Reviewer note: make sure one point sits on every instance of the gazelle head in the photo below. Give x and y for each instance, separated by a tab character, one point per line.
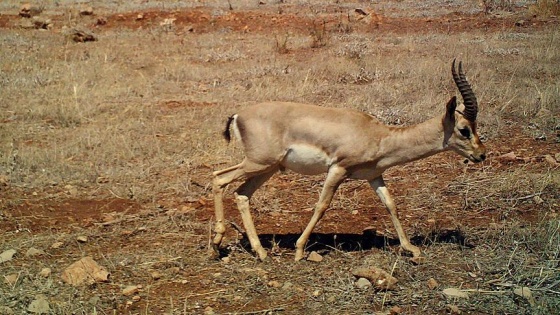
460	121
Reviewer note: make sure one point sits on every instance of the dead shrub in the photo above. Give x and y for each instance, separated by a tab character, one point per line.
282	44
320	35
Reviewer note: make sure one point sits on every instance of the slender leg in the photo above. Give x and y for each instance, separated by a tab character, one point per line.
221	180
255	175
379	186
335	176
242	196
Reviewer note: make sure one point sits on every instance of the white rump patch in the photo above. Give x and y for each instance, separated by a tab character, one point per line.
306	159
236	131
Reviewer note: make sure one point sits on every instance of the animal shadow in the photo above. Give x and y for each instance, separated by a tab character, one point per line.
369	239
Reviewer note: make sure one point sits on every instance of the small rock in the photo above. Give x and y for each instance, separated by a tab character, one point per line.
209	311
101	21
526	293
455	293
94	300
139	17
274	284
41	23
453	309
361	11
136	298
432	283
11	279
538	200
508	157
541	137
156	275
226	259
57	245
28	10
4	180
82	239
71	190
45	272
33	252
316	293
130	290
7	255
395	310
86	11
550	160
287	285
80	35
381	279
363	283
40	305
85	270
314	257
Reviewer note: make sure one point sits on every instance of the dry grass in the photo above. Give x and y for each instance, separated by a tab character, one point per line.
138	114
545	8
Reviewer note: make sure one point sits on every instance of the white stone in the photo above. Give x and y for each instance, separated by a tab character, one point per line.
7	255
363	283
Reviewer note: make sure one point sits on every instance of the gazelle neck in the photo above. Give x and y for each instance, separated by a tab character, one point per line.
408	144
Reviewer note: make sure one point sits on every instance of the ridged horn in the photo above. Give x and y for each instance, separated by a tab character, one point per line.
469	99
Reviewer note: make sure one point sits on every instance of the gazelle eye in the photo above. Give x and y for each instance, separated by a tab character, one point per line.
465	132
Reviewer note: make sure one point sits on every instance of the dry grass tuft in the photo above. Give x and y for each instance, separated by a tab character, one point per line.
319	35
545	8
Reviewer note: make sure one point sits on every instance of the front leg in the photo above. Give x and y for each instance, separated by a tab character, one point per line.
379	186
335	177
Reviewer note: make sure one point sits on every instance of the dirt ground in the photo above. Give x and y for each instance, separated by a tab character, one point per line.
476	237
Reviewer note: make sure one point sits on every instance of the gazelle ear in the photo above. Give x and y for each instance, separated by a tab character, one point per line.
450	109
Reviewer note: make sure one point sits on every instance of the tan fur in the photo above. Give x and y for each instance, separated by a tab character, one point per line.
350	144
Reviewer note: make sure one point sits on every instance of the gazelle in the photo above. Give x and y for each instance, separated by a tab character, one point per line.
343	143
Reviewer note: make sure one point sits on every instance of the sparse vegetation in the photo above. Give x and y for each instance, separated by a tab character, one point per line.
116	140
546	8
282	44
493	5
319	35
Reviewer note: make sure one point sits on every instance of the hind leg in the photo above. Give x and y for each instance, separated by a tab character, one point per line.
221	180
245	170
242	196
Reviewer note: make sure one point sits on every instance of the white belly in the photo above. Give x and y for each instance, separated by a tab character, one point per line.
306	159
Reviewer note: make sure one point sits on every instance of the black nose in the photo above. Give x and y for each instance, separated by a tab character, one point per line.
483	157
